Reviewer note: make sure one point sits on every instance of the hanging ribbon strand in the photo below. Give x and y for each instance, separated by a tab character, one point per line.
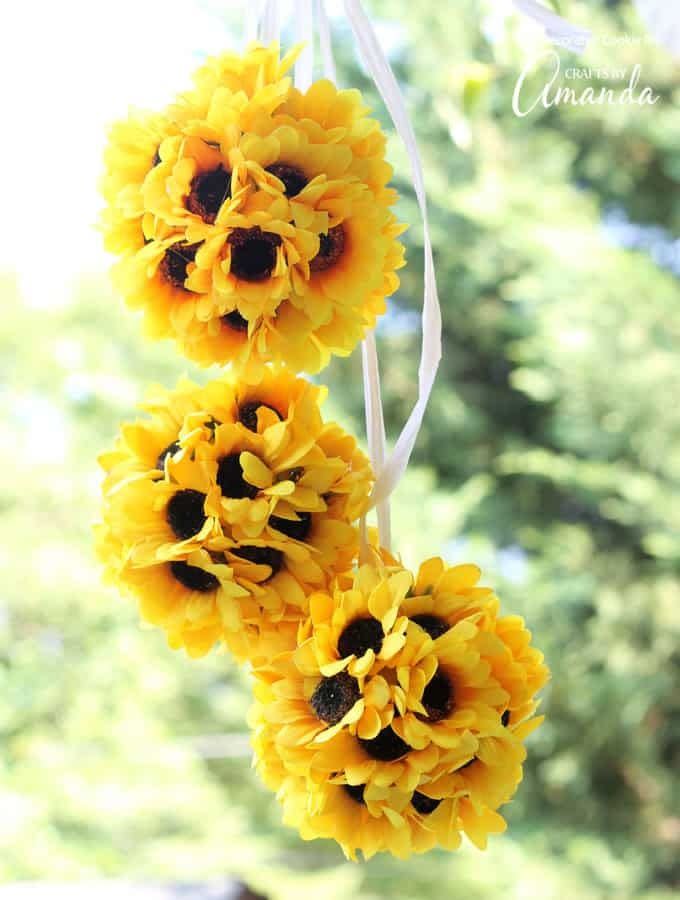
431	349
375	429
252	20
325	42
304	67
270	27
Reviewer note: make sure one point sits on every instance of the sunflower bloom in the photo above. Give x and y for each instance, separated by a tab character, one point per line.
132	153
344	114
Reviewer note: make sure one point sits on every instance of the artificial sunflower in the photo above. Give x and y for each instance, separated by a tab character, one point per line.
132	153
274	291
308	166
242	499
197	177
399	698
231	84
443	596
343	114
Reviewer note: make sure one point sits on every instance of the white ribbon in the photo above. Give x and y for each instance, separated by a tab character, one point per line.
304	67
325	41
270	26
374	59
375	429
557	29
252	18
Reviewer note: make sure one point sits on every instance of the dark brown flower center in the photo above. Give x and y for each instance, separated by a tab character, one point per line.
235	320
185	514
170	450
355	791
193	577
437	698
297	530
505	718
231	481
247	414
253	253
424	804
173	266
331	247
293	179
334	697
433	625
208	192
386	747
359	636
262	556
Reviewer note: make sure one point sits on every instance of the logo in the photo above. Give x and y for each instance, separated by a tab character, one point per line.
566	87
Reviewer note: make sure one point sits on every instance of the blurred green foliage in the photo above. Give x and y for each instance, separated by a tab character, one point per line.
550	454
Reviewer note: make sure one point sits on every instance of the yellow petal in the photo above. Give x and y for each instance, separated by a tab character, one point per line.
391	645
370	725
255	471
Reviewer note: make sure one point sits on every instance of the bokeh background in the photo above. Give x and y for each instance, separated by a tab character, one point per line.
550	455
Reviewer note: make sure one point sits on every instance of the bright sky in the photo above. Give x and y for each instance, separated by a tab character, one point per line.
67	70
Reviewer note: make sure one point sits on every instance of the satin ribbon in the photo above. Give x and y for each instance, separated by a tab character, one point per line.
270	25
389	475
325	41
304	67
375	429
252	20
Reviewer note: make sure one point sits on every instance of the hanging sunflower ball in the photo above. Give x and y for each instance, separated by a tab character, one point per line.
398	722
227	507
254	221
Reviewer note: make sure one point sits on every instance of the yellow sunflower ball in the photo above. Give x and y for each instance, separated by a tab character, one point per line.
227	506
253	222
398	722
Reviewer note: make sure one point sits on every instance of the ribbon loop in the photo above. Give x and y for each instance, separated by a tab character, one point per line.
431	349
325	42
